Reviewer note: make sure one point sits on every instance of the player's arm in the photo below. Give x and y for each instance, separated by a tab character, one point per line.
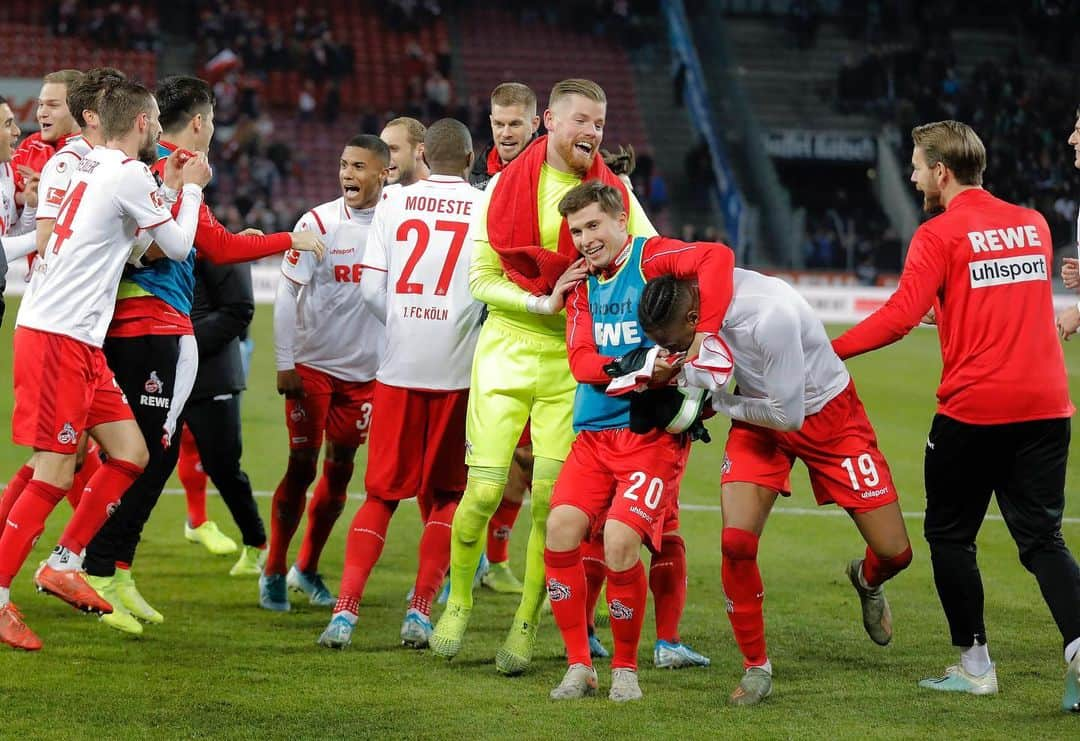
586	363
20	246
218	244
229	292
920	282
174	237
285	312
375	265
784	407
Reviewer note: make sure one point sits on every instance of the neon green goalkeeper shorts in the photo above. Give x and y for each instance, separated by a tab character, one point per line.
517	377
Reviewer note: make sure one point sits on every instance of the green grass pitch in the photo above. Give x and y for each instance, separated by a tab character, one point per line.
219	667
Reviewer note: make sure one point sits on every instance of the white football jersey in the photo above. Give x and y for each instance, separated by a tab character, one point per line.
422	242
109	197
335	332
769	324
56	175
9	214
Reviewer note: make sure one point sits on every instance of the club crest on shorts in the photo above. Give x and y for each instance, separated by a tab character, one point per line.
297	414
153	384
557	591
67	435
111	508
725	467
619	611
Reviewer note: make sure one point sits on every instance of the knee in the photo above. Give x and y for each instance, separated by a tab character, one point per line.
1031	550
738	545
565	528
302	465
622	546
340	453
138	454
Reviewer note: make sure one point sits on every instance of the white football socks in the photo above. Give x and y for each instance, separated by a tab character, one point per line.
976	660
5	596
1071	649
62	559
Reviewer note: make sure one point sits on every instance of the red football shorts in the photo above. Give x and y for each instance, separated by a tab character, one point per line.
342	409
417	443
62	387
620	475
838	446
526	436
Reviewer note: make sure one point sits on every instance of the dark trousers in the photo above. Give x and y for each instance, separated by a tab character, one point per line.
215	424
1023	464
145	368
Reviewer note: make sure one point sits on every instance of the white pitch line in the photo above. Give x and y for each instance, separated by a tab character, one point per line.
797	511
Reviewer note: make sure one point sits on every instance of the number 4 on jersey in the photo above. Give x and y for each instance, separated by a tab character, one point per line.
66	214
459	231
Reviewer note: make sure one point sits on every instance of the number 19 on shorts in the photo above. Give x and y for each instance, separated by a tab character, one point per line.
866	471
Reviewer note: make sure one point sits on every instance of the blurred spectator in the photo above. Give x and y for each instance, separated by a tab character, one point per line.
306	102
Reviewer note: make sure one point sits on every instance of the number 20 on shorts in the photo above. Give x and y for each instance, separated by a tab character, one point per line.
653	491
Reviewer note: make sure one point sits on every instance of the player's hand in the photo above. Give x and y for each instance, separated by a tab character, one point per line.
196	170
1068	322
289	384
30	188
1070	272
664	369
174	164
252	232
305	241
930	317
577	272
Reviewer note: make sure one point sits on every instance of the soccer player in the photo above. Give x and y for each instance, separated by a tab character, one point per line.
55	121
9	217
794	399
617	480
1068	322
514	124
415	277
522	251
327	346
1002	422
151	343
60	330
405	138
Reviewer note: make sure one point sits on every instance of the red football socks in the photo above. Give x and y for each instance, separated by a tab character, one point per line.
745	593
878	570
326	507
367	536
27	518
499	529
90	466
667	581
626	595
192	478
12	491
567	589
99	499
592	555
286	509
434	553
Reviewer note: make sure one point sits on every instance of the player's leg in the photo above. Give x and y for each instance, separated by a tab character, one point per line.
961	466
305	419
442	482
592	556
1032	502
498	576
347	423
215	428
13	489
87	463
501	392
667	582
192	477
552	432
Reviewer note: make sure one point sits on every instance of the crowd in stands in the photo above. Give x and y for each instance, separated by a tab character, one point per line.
118	25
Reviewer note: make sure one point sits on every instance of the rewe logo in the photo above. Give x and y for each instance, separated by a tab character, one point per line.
617	333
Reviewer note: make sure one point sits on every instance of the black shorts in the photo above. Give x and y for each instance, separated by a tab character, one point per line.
1022	463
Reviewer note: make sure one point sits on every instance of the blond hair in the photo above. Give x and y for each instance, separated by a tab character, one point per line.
514	93
67	77
576	86
955	145
413	128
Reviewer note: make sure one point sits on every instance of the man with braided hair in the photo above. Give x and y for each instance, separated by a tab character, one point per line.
794	399
521	270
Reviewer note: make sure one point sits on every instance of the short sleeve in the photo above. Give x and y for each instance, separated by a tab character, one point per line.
297	266
138	196
53	185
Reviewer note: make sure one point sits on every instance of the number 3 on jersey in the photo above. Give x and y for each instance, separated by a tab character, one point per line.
458	230
66	214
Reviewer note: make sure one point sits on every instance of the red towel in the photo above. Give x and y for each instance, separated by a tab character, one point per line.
513	223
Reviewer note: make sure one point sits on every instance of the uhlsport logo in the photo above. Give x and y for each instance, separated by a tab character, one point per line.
1006	270
67	435
153	384
557	591
619	611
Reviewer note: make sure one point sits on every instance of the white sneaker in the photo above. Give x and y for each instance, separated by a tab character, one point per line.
579	681
624	686
956	679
